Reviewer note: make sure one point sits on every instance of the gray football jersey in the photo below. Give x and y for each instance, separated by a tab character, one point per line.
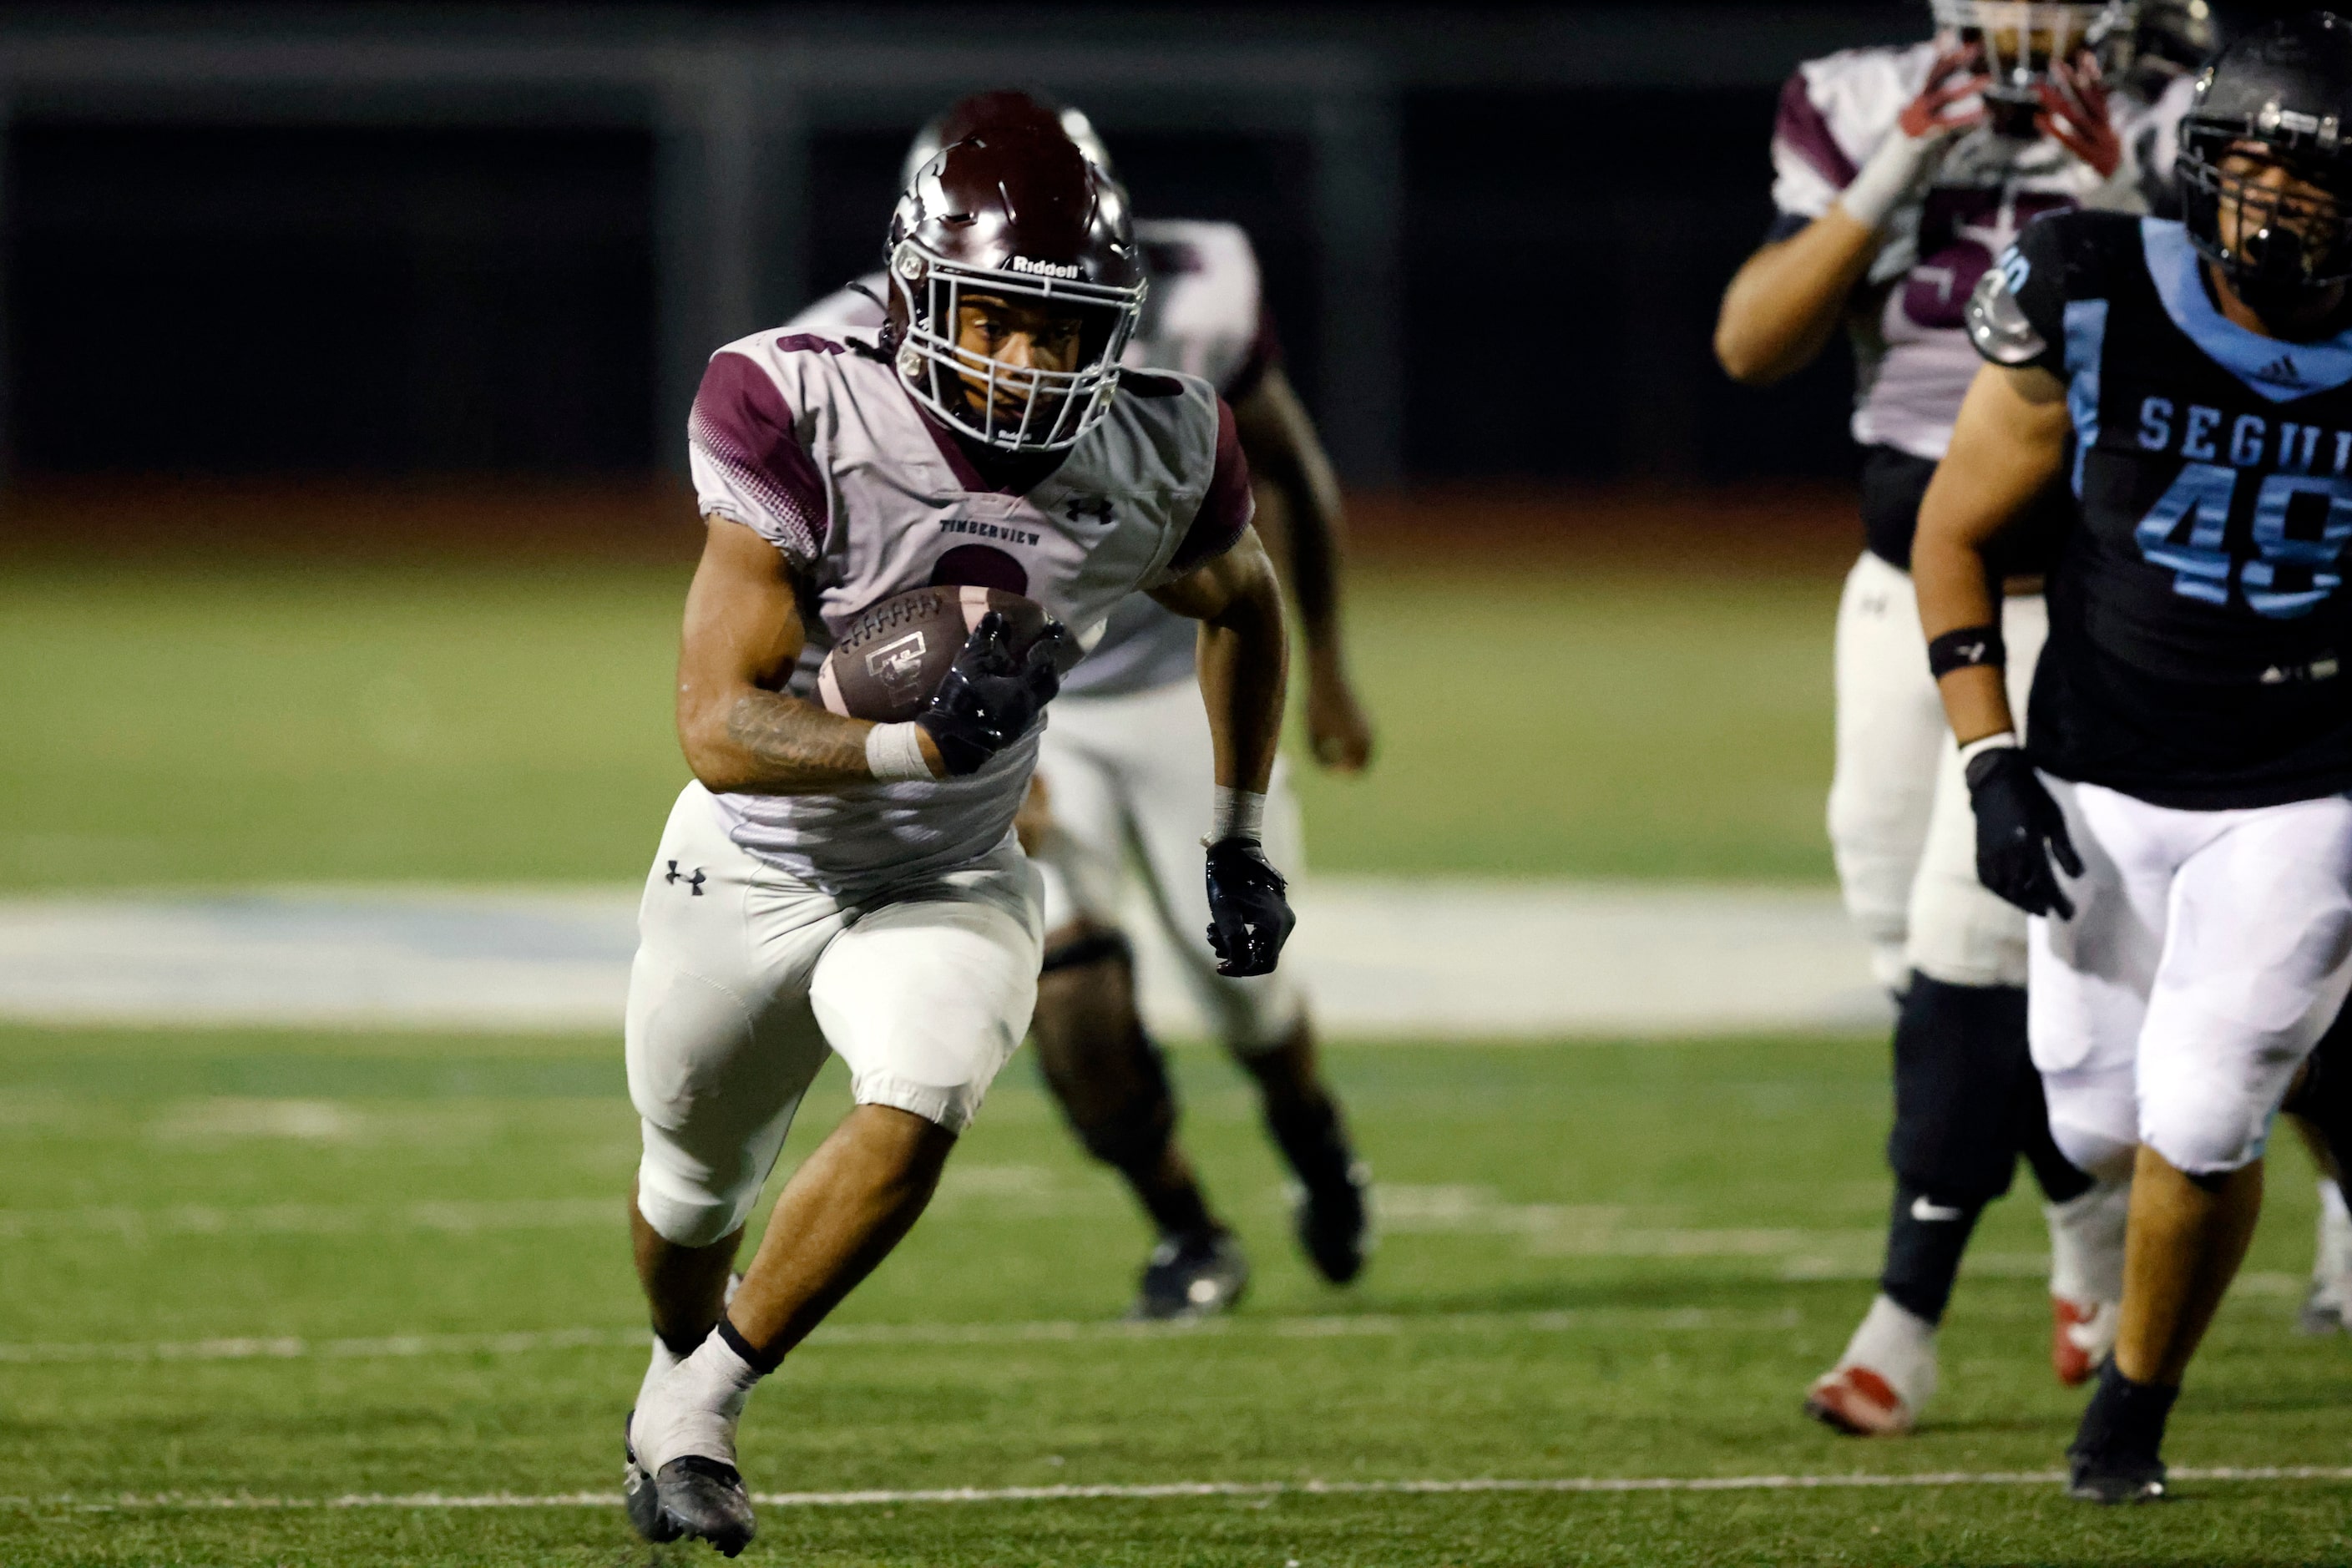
818	448
1205	316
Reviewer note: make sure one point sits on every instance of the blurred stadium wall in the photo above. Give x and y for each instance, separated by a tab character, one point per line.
449	241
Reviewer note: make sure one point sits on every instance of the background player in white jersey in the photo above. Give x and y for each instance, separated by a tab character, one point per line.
833	884
2188	761
1899	174
1125	755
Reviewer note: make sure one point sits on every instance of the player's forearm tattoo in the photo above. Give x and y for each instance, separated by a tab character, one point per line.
797	745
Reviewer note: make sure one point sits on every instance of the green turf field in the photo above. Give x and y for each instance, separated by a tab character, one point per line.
1600	1261
347	724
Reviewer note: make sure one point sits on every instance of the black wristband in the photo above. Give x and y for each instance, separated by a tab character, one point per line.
1964	649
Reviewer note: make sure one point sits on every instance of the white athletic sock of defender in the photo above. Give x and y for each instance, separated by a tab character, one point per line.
2086	1243
1899	1346
2333	1260
694	1408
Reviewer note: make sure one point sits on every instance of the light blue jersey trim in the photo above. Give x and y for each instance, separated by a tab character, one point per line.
2270	368
2086	337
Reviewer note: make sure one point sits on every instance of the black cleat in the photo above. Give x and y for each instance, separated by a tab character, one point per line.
1335	1221
2113	1458
1197	1275
640	1496
705	1497
2116	1480
1332	1215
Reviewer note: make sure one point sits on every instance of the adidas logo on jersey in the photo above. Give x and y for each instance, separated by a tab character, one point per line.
1044	268
2281	372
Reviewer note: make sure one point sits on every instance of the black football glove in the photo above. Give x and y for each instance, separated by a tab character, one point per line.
991	699
2020	830
1249	918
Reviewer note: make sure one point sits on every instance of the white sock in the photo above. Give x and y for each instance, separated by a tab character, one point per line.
2086	1243
664	1359
693	1407
1899	1346
2333	1260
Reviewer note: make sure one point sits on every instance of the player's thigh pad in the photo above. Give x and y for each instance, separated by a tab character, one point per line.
2256	965
1890	727
2088	978
1960	932
720	1041
1081	862
1167	768
925	996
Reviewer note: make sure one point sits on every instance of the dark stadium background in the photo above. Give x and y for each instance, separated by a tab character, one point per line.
296	299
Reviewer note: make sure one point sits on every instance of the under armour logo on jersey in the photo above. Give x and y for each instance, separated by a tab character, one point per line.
2281	372
693	883
1099	508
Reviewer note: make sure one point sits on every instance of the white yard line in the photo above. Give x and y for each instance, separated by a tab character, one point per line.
1389	958
1180	1490
1374	1325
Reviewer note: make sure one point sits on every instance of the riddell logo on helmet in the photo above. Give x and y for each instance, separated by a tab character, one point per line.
1044	268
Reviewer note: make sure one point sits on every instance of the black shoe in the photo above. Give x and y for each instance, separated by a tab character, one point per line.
1332	1216
1335	1221
2116	1480
2113	1458
1195	1275
705	1497
641	1498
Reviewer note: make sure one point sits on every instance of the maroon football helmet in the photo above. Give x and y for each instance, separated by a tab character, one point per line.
1013	210
977	111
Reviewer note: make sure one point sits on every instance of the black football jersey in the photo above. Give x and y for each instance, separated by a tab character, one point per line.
2197	611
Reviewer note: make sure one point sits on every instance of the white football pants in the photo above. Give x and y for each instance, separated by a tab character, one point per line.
1134	774
1900	824
2209	951
745	976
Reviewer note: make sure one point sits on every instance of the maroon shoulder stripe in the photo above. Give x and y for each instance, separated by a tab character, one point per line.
1800	127
742	424
1225	513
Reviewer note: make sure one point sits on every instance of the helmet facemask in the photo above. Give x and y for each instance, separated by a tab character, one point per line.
2023	38
1009	407
2273	244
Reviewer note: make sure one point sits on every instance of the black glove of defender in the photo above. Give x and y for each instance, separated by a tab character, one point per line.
991	699
1249	918
2020	830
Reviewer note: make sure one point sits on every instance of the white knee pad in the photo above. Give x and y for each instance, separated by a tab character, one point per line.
2215	1118
684	1199
2095	1120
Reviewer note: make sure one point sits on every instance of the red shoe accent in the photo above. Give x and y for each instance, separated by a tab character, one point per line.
2072	1362
1859	1402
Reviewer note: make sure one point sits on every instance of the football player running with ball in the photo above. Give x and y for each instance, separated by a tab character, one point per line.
1900	173
1128	754
829	883
2177	819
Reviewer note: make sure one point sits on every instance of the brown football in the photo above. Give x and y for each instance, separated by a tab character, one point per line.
893	654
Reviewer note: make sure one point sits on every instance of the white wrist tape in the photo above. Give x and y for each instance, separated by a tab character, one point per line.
1238	814
895	752
2005	740
1893	172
